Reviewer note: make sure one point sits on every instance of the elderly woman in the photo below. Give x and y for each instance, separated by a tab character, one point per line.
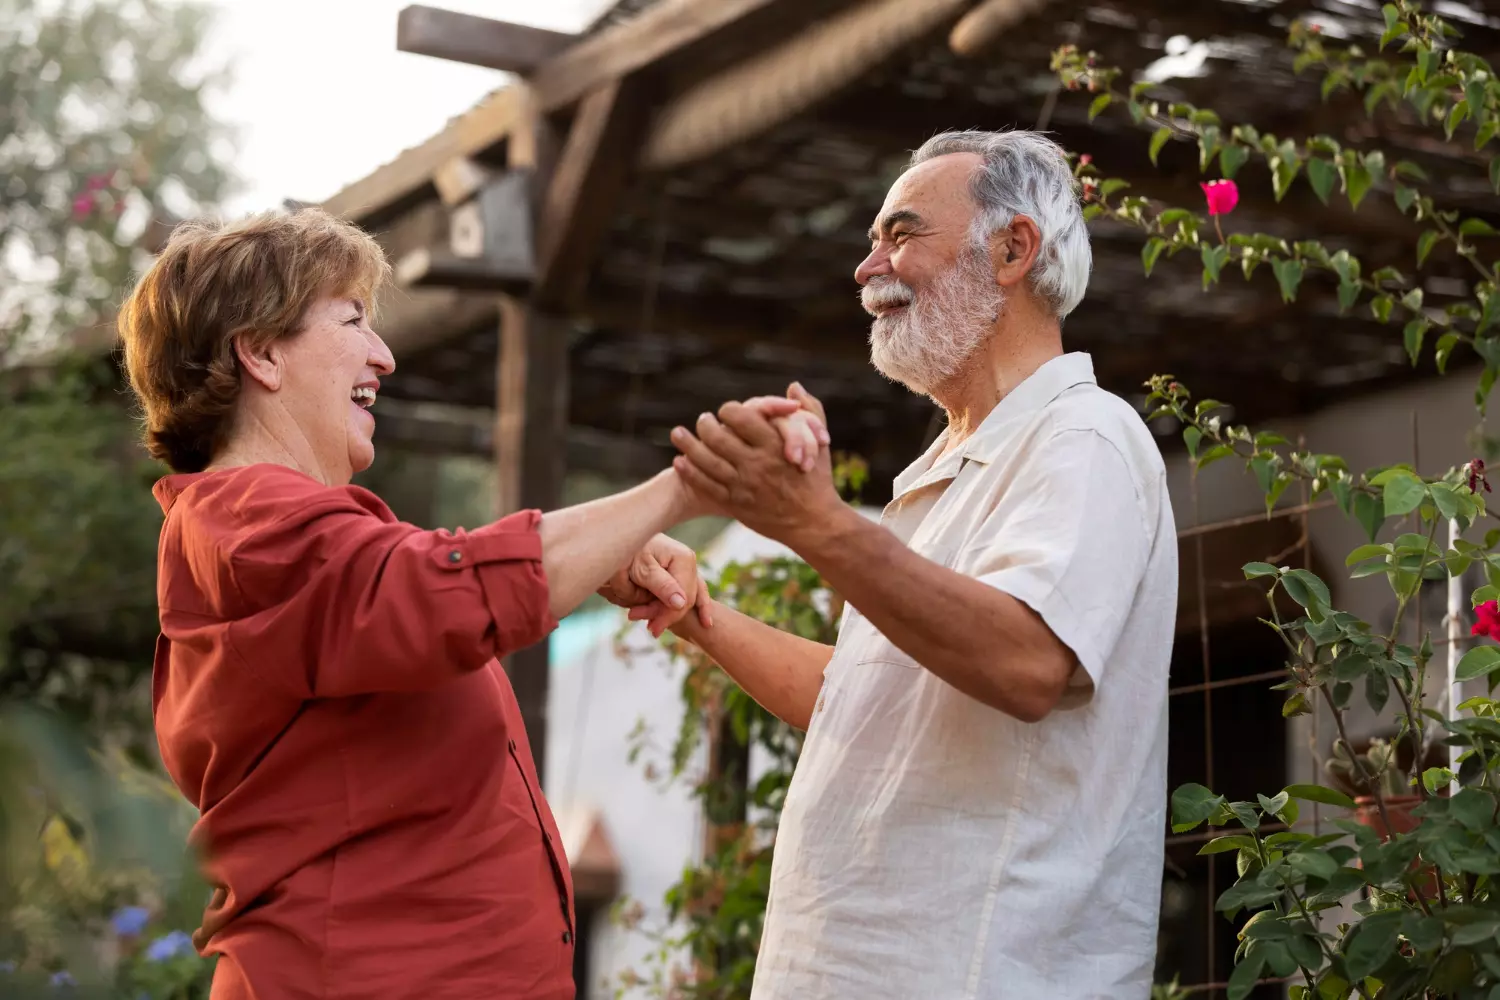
326	685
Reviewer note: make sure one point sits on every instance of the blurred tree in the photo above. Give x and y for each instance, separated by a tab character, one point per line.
104	138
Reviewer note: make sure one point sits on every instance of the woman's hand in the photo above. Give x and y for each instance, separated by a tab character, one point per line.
660	586
804	431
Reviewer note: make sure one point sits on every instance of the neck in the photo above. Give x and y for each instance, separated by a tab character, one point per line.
260	439
1021	341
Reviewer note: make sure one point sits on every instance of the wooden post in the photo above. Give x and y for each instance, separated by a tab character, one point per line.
531	425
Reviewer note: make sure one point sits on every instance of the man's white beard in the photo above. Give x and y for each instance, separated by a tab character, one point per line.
933	340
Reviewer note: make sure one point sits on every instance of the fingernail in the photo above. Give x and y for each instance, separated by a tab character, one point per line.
823	437
797	455
677	601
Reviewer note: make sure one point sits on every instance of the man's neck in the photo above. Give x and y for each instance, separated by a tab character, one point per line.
1014	350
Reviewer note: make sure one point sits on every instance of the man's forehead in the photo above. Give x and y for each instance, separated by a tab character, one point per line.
934	188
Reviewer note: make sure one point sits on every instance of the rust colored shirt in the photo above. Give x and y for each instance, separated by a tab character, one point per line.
326	692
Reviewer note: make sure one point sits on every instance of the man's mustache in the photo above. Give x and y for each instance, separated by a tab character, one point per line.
885	293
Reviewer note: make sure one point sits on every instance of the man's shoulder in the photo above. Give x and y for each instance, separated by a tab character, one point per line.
1088	408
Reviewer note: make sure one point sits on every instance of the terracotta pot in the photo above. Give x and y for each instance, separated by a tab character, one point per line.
1398	808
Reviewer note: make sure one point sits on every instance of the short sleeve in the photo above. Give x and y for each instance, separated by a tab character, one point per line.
1070	539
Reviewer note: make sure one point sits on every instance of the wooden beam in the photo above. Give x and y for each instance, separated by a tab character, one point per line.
587	182
425	269
478	41
459	179
658	31
665	29
531	423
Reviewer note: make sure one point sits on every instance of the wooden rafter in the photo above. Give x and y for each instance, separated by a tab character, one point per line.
477	41
587	181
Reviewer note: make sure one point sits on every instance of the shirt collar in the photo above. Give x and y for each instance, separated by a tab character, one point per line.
1037	390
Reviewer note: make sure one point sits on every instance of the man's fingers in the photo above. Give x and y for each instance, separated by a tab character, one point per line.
799	439
750	425
652	576
724	442
712	464
772	406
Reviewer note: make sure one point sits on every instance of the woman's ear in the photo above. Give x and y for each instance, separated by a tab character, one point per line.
1015	250
262	363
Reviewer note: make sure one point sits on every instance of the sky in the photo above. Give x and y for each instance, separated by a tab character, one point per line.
320	96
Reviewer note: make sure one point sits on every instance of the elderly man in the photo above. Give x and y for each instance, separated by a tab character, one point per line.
979	807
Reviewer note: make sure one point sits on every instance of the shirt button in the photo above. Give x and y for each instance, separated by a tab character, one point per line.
567	937
455	556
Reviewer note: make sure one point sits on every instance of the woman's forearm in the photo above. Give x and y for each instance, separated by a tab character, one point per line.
583	546
781	671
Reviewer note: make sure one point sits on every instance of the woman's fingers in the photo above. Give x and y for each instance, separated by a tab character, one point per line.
705	603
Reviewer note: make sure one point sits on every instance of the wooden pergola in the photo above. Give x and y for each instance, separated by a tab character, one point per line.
665	211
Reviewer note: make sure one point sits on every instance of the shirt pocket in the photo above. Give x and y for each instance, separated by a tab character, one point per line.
877	649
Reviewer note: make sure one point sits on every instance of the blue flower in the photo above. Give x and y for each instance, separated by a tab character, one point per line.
130	921
169	946
63	978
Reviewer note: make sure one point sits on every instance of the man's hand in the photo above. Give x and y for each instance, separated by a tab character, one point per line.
736	462
662	580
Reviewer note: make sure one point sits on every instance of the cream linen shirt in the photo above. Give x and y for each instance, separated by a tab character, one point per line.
933	848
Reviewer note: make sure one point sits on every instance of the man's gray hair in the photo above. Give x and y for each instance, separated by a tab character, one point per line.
1025	173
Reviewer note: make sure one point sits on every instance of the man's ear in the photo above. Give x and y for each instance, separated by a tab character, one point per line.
264	363
1014	251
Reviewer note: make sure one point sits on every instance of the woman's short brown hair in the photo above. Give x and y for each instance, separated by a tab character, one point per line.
214	282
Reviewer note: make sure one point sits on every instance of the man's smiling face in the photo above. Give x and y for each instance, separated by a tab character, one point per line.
928	287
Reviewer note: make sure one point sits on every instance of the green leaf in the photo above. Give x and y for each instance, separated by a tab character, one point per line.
1392	15
1272	806
1245	975
1285	167
1304	587
1477	227
1478	662
1435	779
1191	436
1313	863
1408	169
1213	454
1288	276
1403	494
1152	250
1192	805
1111	185
1231	158
1321	174
1254	570
1099	104
1495	173
1425	243
1405	197
1444	348
1412	336
1372	941
1486	132
1222	845
1456	114
1320	794
1357	181
1158	140
1348	294
1213	261
1368	512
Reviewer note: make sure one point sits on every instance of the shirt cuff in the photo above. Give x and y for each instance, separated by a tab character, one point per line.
507	557
1049	604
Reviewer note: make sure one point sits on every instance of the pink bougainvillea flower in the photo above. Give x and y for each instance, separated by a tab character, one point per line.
1222	196
98	182
83	205
1488	623
1085	160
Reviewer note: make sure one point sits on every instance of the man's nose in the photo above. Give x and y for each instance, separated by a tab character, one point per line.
877	263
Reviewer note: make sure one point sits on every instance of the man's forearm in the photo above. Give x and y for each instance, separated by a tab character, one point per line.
781	671
583	546
959	628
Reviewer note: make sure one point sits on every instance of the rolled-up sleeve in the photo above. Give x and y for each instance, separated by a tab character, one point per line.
1071	541
369	604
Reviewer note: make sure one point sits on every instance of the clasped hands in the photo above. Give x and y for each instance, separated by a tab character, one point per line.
764	462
